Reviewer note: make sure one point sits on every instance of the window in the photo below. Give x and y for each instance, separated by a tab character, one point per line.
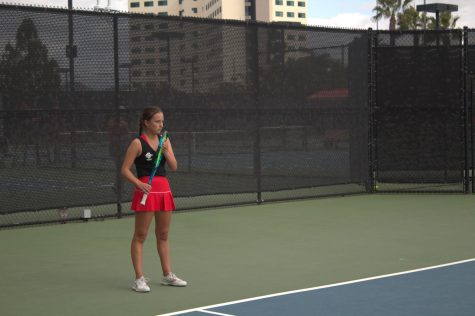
180	1
135	4
148	4
194	10
162	13
279	2
279	13
301	4
290	3
290	14
302	15
162	2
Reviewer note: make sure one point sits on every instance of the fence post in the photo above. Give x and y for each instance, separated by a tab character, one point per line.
370	185
117	108
71	53
466	110
254	68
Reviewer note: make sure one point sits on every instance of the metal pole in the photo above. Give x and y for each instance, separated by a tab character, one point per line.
472	140
255	87
437	21
71	53
71	45
371	184
118	114
192	81
465	110
425	17
169	66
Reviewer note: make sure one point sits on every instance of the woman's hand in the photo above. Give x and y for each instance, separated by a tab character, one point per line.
144	187
166	146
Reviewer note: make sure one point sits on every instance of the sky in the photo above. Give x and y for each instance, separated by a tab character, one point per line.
337	13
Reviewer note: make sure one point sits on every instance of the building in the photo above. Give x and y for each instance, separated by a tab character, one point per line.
261	10
196	57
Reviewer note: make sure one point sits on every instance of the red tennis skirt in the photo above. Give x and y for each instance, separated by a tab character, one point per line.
159	199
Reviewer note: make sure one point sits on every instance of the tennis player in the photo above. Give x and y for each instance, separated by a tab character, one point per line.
143	152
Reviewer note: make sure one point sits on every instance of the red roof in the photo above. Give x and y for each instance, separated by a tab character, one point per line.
329	94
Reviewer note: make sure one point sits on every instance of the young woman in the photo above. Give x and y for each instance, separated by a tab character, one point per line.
143	152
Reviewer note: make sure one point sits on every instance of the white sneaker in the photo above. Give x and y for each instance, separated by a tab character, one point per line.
173	280
140	285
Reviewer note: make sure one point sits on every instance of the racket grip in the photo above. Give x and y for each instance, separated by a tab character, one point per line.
144	199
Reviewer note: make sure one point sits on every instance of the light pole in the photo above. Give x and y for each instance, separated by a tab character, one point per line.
71	53
127	66
437	8
191	61
71	50
168	36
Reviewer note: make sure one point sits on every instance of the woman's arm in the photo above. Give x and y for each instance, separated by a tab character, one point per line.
134	150
170	155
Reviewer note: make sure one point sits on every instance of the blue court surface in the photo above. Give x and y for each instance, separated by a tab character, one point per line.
445	290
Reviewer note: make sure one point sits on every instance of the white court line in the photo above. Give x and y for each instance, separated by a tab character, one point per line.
212	313
203	308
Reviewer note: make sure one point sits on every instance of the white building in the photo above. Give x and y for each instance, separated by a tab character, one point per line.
265	10
202	55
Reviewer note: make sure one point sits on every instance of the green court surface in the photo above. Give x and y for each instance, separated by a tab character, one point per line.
231	253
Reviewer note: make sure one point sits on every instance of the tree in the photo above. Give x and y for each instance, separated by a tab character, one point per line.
27	76
389	9
409	19
446	21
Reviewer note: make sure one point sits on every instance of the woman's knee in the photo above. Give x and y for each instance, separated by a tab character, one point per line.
162	234
140	236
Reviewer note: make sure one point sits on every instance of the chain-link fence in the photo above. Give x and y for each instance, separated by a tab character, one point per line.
256	112
420	112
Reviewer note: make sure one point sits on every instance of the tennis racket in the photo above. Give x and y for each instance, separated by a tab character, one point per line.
157	164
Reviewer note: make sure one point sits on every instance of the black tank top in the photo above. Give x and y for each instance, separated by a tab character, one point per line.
146	161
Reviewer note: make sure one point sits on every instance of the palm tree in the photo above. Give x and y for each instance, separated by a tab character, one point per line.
446	20
410	19
389	9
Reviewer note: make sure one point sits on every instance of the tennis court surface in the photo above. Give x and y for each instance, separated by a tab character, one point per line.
357	255
441	290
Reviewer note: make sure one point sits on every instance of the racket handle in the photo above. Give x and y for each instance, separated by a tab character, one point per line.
144	199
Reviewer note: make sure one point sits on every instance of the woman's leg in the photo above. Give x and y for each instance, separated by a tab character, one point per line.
162	225
142	223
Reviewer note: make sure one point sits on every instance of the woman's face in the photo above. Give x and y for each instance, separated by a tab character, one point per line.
155	124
